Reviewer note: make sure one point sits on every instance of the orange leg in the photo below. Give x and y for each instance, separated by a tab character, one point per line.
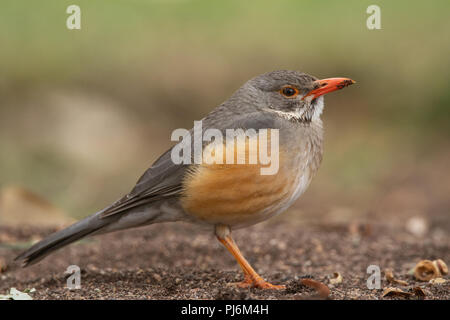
252	279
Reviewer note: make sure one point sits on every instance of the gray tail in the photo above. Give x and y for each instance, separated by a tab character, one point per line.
60	239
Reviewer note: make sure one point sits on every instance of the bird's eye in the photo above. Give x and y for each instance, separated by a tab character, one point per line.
289	92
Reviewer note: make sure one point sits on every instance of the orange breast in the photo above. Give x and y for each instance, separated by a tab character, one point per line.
236	193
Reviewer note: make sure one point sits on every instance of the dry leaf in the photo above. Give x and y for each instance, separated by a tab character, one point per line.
321	288
395	292
15	294
426	270
337	278
442	267
391	279
418	291
437	281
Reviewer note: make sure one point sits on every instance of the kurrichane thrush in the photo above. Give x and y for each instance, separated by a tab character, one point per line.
218	194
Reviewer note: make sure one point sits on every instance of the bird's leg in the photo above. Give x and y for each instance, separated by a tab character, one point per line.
252	279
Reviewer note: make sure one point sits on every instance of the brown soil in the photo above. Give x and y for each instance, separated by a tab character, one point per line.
176	261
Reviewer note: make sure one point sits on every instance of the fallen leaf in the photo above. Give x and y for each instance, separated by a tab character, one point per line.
395	292
418	291
337	278
437	281
442	267
321	288
389	274
29	290
15	294
426	270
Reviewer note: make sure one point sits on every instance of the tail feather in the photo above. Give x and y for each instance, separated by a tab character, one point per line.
60	239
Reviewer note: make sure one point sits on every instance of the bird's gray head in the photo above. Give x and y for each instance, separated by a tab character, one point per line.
294	95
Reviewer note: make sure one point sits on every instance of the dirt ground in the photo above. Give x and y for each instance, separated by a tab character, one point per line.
177	261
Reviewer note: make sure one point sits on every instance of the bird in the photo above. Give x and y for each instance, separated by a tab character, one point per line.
219	196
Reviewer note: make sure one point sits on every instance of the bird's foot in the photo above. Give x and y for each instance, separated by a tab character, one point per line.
266	285
260	283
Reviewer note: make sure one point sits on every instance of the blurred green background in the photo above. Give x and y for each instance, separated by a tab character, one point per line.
84	112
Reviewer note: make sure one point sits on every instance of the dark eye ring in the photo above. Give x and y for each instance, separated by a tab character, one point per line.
289	91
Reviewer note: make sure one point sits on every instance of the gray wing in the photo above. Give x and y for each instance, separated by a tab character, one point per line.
164	179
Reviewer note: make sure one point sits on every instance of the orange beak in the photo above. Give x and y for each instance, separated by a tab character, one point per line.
329	85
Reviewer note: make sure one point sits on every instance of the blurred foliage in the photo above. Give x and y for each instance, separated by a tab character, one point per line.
84	112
